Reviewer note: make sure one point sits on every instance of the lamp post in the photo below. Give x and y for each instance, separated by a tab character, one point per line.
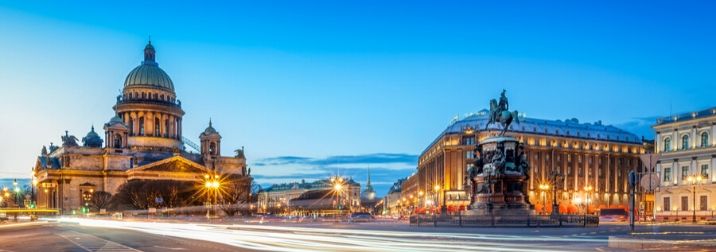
338	189
16	190
420	197
544	187
556	175
588	198
436	189
33	198
694	180
212	185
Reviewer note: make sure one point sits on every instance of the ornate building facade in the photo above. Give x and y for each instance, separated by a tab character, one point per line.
687	157
142	141
576	162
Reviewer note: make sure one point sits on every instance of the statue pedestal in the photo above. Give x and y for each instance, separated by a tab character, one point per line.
501	180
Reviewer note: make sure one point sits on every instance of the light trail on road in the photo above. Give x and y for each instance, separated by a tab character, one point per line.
294	239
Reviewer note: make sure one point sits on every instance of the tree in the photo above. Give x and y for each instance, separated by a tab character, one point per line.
235	191
143	194
101	200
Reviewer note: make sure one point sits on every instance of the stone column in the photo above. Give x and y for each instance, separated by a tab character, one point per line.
135	123
149	124
171	126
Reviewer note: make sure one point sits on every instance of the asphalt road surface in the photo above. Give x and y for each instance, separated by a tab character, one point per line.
79	234
73	237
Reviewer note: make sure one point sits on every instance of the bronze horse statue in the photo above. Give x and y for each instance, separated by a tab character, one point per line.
501	115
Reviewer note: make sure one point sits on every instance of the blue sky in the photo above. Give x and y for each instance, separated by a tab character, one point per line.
346	86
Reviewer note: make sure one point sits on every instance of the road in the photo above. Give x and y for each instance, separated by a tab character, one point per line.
73	237
70	234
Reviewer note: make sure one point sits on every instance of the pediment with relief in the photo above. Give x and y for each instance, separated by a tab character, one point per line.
173	164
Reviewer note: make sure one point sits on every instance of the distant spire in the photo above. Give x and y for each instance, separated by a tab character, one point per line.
368	183
209	121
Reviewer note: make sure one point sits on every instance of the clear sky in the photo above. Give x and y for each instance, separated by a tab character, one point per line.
312	88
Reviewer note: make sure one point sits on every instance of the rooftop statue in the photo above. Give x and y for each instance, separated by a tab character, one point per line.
500	113
68	140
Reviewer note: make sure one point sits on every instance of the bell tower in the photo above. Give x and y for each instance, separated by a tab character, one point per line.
210	145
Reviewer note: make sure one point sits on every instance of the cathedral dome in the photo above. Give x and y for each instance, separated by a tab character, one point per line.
148	74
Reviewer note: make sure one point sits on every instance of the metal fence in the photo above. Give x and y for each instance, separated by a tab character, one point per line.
459	220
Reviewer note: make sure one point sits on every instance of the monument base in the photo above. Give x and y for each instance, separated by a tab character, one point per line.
500	210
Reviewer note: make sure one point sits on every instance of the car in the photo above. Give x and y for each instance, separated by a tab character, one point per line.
3	217
613	215
361	217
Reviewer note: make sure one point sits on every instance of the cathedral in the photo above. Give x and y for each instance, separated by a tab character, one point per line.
142	141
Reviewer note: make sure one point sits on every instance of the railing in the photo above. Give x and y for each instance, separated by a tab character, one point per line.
149	101
460	220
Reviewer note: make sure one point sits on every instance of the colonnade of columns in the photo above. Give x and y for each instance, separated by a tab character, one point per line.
156	124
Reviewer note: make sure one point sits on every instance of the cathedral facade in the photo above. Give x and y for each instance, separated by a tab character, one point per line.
142	141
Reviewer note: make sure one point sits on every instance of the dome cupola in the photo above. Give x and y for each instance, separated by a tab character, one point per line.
148	74
92	139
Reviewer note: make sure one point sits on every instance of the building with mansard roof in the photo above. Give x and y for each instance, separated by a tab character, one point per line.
143	140
591	160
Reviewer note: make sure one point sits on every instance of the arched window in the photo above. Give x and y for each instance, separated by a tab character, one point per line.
141	126
117	141
685	142
157	127
704	139
212	148
667	144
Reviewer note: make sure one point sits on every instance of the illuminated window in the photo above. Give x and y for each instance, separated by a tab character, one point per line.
684	173
667	174
667	144
705	170
685	142
704	139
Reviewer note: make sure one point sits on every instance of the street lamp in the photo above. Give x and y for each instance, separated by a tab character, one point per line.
544	187
588	191
17	192
694	180
338	189
436	188
33	199
212	185
577	201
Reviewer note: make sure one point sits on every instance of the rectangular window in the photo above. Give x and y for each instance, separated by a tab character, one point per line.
667	174
705	170
684	173
684	203
468	141
667	204
703	203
